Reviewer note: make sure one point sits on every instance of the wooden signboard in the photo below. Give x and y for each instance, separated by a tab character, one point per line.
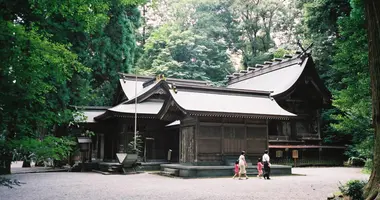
295	154
278	154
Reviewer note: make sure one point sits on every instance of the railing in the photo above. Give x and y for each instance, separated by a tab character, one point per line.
308	136
308	162
278	137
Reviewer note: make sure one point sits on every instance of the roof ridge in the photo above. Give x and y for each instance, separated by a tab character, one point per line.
275	64
92	107
147	78
267	69
224	89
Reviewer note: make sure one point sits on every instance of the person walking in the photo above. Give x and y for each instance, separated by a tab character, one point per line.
242	165
259	168
266	161
236	170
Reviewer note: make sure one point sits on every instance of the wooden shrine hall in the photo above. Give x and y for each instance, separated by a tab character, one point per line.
273	106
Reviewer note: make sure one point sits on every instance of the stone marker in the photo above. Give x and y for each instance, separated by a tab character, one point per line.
330	196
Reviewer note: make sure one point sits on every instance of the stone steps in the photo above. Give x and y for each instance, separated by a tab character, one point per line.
252	171
172	172
168	174
110	167
193	171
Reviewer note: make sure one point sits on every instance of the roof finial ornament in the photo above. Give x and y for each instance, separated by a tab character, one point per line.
174	88
304	51
160	77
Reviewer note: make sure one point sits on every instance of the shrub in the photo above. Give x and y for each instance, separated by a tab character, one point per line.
357	162
47	149
353	189
139	145
368	164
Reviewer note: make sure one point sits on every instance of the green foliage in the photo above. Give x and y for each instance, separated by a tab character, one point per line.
139	145
46	65
337	29
184	54
49	148
353	189
88	133
39	69
355	161
198	39
321	28
352	93
89	13
368	166
259	58
112	50
279	53
321	15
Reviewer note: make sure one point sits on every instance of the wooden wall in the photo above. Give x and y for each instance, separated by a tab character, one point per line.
212	142
187	147
257	141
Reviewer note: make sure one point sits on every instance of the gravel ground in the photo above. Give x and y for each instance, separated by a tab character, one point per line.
316	183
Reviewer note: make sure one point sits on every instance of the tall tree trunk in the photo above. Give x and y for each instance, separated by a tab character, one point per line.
144	26
26	163
5	164
372	8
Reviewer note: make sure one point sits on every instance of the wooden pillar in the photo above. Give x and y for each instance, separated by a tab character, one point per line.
293	130
187	140
267	143
222	139
245	135
112	147
154	148
196	132
319	123
180	149
96	145
101	149
90	153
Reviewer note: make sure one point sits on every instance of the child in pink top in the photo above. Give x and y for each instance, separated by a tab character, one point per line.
236	170
260	168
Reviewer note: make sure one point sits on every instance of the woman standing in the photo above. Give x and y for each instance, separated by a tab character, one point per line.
242	165
266	160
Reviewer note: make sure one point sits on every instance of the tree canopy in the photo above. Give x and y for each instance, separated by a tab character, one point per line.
44	62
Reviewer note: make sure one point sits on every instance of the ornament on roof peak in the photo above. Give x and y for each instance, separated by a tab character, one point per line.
160	77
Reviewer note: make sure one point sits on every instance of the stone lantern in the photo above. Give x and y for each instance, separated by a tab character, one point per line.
84	147
84	143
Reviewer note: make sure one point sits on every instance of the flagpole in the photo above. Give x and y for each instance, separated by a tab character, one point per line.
135	108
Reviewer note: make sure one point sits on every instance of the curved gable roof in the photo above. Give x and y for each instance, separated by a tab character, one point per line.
280	77
200	101
277	78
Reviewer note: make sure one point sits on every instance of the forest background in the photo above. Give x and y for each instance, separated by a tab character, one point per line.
55	54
